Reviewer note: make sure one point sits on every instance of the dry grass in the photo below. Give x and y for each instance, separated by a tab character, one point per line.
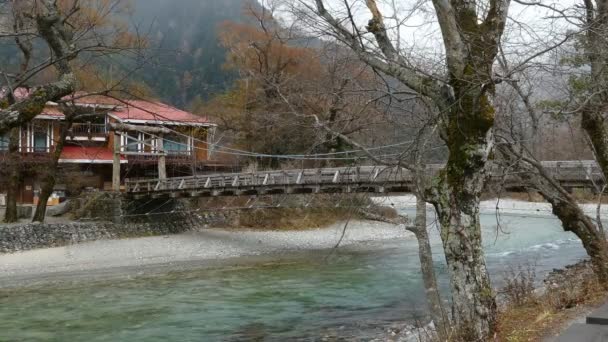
542	315
291	218
297	212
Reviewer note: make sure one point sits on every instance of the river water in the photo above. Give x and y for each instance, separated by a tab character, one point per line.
351	293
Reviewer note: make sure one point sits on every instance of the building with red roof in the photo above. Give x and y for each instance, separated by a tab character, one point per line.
89	150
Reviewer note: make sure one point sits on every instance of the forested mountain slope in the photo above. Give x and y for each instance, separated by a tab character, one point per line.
187	58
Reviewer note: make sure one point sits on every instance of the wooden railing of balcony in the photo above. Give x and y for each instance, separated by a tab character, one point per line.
89	130
172	157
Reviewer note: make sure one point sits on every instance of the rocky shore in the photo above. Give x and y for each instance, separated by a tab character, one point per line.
194	245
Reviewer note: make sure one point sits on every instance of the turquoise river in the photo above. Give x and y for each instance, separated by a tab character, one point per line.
350	293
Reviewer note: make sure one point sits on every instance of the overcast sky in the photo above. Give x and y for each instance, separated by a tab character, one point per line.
530	28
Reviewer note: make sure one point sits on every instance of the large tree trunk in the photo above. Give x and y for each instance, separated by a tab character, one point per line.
433	295
473	302
470	140
474	306
14	166
50	178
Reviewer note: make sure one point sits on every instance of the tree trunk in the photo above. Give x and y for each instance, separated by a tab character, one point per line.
593	121
574	219
473	302
48	184
433	295
470	140
14	165
593	124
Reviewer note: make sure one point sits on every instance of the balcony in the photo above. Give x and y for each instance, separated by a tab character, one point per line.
88	131
172	157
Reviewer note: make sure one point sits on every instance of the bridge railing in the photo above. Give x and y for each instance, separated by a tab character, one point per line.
562	171
364	174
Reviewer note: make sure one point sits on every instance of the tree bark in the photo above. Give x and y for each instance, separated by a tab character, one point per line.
473	302
425	253
14	165
593	122
469	137
50	178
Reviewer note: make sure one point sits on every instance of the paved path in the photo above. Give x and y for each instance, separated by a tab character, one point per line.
595	328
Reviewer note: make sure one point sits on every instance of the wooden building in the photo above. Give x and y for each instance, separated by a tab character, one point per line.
87	158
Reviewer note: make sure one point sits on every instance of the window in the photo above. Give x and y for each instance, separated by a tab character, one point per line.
176	144
4	142
40	137
132	142
40	142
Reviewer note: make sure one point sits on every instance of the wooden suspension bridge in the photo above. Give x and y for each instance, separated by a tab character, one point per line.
359	179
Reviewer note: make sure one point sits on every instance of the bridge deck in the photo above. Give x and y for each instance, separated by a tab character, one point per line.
373	179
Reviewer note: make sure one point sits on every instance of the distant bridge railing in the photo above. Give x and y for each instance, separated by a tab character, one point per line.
378	179
303	177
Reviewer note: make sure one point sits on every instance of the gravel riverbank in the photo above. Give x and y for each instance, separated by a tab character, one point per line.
205	244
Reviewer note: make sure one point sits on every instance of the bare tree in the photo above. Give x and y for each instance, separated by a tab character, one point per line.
51	25
462	98
79	34
584	105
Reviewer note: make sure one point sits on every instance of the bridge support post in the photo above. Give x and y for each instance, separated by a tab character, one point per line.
162	161
116	164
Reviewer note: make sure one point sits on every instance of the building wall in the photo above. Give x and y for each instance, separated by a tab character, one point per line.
99	176
56	132
200	143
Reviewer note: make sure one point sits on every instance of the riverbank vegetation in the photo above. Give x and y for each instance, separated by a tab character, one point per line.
297	212
530	314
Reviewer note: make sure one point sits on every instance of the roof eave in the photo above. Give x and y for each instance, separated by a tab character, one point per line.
158	122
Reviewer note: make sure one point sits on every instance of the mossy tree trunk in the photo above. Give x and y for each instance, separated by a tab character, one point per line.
593	120
14	175
470	141
468	132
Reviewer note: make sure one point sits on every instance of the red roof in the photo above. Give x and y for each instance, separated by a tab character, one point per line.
141	110
81	154
134	111
156	112
52	111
